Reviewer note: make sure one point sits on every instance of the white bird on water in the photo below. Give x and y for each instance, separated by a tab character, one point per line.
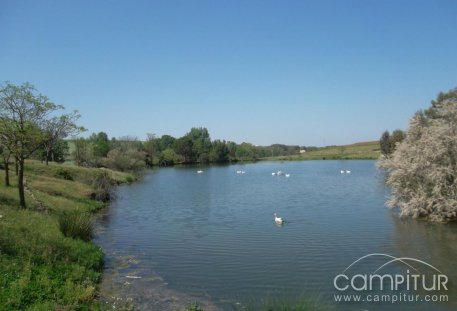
287	175
199	171
342	172
348	172
278	220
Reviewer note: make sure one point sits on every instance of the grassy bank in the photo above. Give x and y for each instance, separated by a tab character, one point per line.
40	267
358	151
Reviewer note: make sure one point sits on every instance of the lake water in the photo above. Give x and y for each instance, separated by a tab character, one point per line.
177	236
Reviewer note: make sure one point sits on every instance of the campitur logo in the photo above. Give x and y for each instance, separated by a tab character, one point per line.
414	280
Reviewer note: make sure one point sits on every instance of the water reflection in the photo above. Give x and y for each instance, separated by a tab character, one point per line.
211	237
434	243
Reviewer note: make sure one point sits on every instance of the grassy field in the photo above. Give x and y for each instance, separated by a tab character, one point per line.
40	267
358	151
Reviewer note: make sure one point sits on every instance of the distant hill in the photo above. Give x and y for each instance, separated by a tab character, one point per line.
357	151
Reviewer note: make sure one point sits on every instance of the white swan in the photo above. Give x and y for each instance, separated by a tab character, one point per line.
278	220
342	172
199	171
273	174
348	172
287	175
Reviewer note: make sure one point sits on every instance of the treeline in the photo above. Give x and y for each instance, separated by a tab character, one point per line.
196	146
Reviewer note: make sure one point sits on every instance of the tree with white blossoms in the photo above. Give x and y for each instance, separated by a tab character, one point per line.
422	171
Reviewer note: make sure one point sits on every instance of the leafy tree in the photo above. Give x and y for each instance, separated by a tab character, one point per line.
58	128
152	148
166	141
201	143
184	147
101	144
219	152
231	146
385	144
5	155
58	153
125	160
127	155
83	153
168	157
246	151
23	112
422	171
5	148
396	137
388	142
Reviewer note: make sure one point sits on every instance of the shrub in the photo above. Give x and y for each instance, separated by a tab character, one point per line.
102	184
126	160
63	174
76	224
194	307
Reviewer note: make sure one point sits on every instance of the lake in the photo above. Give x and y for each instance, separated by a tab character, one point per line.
178	236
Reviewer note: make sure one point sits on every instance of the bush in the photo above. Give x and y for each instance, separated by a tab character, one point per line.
63	174
194	307
76	225
126	160
102	184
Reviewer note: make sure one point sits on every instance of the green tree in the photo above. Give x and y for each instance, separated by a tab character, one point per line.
23	111
201	143
5	148
396	138
184	147
246	152
422	171
83	152
219	152
385	144
56	129
168	157
101	144
58	153
231	146
151	148
129	159
166	141
5	155
126	155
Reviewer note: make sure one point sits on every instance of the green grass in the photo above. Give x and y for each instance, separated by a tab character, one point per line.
76	225
194	307
358	151
40	267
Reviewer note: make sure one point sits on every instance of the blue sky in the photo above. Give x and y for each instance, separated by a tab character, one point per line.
294	72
